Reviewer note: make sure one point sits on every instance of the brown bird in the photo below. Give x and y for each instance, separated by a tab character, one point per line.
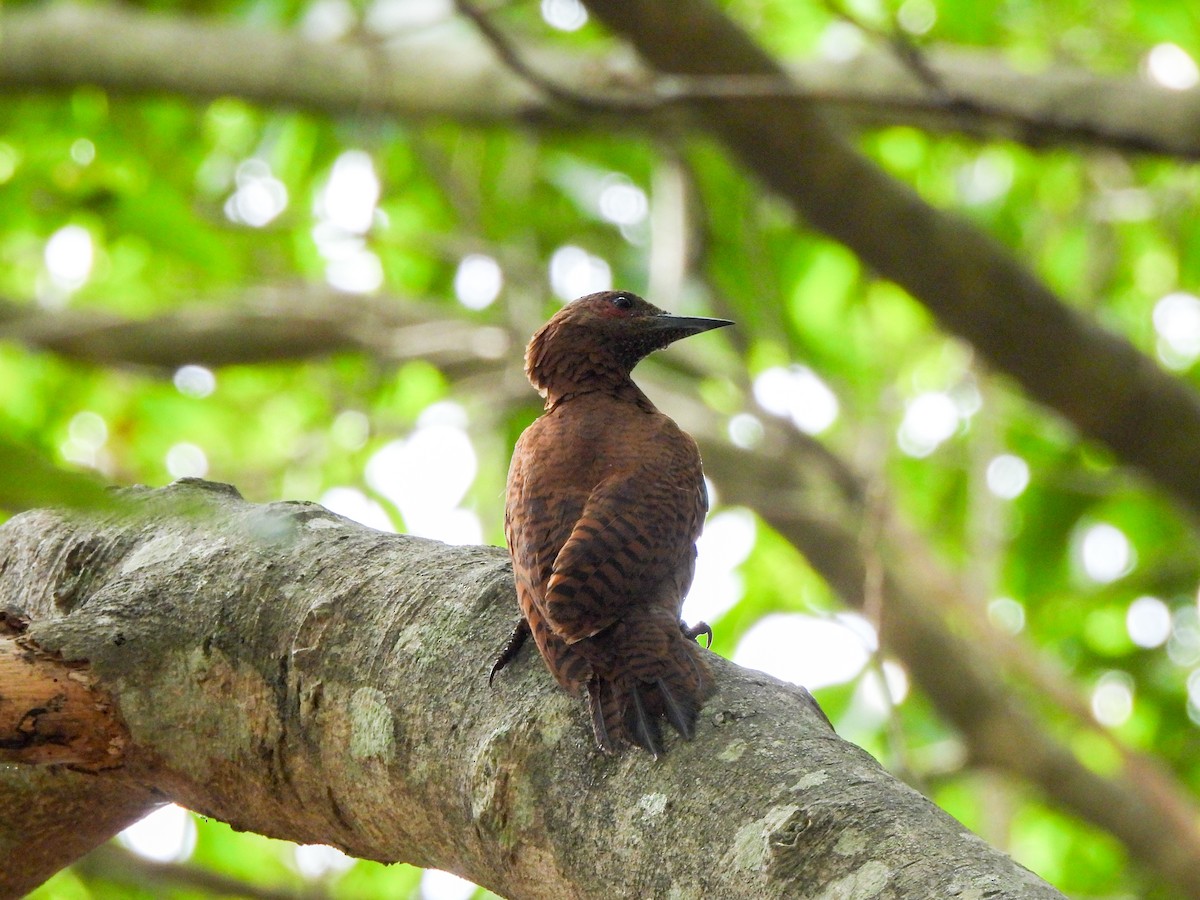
605	502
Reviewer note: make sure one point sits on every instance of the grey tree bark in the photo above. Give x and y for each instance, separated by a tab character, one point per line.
292	673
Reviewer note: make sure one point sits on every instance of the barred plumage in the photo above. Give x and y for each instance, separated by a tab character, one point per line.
605	502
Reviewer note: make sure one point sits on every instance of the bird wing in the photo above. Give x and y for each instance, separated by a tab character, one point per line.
536	523
633	544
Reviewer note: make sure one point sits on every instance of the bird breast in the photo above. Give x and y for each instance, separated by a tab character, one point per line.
594	436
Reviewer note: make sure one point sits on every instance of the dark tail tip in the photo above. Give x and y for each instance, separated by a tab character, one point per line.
600	728
628	711
683	720
641	726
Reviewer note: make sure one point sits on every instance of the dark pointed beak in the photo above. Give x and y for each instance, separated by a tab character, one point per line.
683	326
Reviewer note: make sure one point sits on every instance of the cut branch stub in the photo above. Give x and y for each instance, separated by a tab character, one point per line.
55	712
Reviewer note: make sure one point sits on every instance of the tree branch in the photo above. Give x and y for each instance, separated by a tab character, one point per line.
273	325
287	671
449	75
50	815
111	863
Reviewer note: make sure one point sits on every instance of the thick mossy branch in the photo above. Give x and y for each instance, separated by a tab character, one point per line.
293	673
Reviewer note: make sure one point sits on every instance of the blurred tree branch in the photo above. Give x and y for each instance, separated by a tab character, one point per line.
112	864
441	72
278	324
295	674
52	815
1094	378
976	289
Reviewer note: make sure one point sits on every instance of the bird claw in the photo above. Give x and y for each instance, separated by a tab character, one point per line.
692	632
515	641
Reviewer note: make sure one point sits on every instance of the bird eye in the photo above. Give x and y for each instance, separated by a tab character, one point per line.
622	301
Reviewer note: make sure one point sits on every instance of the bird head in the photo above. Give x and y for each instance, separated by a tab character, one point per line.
599	338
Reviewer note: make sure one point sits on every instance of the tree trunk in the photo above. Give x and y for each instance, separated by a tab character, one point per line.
295	674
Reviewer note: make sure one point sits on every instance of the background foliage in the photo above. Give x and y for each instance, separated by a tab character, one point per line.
148	241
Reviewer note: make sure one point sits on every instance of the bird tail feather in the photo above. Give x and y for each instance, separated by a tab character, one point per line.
629	701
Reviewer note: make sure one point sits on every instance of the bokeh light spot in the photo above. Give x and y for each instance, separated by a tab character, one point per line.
565	15
166	835
187	461
1104	552
1183	646
354	504
841	41
428	474
316	860
88	428
929	420
9	159
87	433
745	431
797	393
393	17
989	177
1112	699
439	885
871	690
194	381
1176	319
1007	476
259	197
727	540
1148	622
69	255
917	16
1007	614
622	202
350	429
358	273
478	281
807	650
1193	697
350	195
575	272
1172	67
83	151
328	20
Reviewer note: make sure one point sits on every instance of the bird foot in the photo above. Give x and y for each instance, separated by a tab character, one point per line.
692	632
515	641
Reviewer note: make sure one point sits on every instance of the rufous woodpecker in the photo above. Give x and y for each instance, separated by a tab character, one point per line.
606	499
